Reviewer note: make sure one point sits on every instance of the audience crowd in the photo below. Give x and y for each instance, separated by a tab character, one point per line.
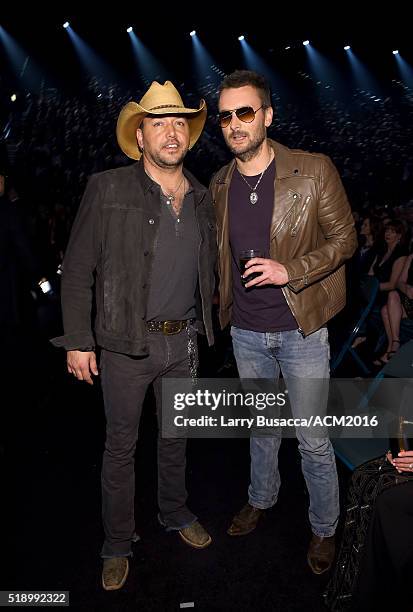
52	141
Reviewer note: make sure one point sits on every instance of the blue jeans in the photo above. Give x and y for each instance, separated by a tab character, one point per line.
263	355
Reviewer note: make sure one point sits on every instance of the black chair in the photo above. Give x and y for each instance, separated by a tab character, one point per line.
355	451
369	286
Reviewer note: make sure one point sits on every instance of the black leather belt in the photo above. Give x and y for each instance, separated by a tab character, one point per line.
168	327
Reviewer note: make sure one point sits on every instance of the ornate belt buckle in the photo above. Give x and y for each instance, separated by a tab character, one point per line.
170	328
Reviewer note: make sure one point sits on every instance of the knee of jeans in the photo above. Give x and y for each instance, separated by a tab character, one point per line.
120	450
316	446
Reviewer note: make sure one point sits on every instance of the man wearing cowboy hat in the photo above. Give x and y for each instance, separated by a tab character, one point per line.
144	242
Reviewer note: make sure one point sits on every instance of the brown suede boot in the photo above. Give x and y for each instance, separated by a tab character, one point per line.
114	574
195	535
320	554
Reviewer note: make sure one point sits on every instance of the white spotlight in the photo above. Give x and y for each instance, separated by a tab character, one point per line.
306	42
396	52
242	37
129	29
66	25
13	97
347	48
286	48
193	33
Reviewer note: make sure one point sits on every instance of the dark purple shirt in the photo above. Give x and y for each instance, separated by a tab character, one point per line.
261	309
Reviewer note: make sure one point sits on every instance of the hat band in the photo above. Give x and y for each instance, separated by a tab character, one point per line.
166	106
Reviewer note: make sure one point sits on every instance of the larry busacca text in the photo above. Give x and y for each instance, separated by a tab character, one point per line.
269	422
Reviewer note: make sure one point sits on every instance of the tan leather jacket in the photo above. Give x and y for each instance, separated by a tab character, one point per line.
312	234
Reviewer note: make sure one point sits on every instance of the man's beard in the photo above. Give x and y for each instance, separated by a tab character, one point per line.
251	147
169	163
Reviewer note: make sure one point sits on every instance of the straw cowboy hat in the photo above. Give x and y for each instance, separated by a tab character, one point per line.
158	100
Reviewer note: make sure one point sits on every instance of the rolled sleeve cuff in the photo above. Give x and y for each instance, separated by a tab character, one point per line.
77	341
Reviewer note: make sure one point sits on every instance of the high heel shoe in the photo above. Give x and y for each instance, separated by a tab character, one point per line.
392	352
385	358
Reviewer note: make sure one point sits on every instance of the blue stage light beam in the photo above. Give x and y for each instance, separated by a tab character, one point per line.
89	59
321	68
253	61
405	69
202	62
150	69
362	77
24	68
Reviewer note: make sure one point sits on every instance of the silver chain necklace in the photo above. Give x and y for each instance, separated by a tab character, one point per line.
254	194
171	195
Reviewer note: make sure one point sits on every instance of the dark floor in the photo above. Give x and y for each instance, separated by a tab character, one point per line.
52	433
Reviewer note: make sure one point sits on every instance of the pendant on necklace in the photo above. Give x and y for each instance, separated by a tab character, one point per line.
253	197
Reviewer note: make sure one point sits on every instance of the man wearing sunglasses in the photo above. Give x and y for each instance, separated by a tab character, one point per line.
291	206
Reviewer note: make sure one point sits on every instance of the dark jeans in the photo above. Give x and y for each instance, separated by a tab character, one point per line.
125	380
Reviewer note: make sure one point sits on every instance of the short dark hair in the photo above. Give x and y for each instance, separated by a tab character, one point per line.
241	78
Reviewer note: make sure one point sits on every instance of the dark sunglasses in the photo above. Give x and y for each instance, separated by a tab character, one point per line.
245	114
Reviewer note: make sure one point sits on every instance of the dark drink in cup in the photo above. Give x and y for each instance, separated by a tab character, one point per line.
244	257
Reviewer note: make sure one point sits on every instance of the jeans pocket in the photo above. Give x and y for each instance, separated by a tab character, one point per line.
102	360
323	335
237	331
324	341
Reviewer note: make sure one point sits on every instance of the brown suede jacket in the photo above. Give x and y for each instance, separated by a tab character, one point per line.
312	234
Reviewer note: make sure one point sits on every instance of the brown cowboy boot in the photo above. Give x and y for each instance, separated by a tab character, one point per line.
114	574
195	535
320	554
245	521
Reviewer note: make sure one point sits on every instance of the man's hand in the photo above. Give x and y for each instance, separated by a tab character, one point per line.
403	462
271	272
82	364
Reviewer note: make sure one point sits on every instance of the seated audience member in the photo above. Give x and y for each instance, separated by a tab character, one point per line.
385	575
368	249
382	267
399	306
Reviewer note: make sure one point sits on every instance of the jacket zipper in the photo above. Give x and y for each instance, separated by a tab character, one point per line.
292	310
300	216
293	233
